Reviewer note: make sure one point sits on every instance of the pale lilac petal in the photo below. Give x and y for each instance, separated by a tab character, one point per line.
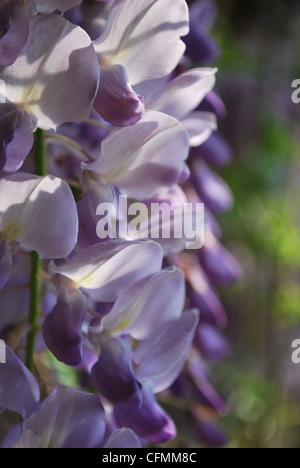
87	213
19	391
150	422
183	94
211	188
200	126
153	156
48	6
60	73
67	418
6	264
62	327
144	37
40	213
161	358
116	101
211	434
107	269
148	305
113	375
13	30
124	438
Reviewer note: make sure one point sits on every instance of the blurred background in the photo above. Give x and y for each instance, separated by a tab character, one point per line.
260	44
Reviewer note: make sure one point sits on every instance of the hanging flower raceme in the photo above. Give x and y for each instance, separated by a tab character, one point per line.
119	109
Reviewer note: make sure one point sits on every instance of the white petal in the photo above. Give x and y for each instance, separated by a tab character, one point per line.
144	37
183	94
56	76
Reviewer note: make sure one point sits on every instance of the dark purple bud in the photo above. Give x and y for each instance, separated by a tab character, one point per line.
212	190
113	375
210	342
13	30
200	46
211	435
16	138
219	265
6	264
6	11
215	151
116	101
150	422
212	103
210	306
62	327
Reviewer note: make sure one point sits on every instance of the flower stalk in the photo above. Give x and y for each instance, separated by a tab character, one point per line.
34	302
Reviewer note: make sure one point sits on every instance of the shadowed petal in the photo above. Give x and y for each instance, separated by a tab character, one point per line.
113	375
60	73
150	422
124	438
144	37
62	327
161	358
67	418
19	391
40	213
116	101
6	264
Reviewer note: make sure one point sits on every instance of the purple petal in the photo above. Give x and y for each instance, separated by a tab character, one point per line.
219	265
48	6
215	151
63	82
150	422
212	103
136	22
210	342
183	94
13	30
161	358
116	101
138	311
212	190
211	435
67	418
124	438
16	138
113	375
6	264
62	327
153	156
200	46
19	391
104	271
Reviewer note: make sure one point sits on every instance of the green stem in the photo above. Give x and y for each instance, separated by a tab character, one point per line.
34	302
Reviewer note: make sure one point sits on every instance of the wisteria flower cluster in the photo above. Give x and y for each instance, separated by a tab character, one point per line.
101	99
